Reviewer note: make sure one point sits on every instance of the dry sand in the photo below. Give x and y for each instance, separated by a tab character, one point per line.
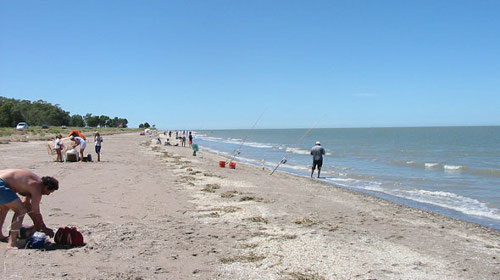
154	212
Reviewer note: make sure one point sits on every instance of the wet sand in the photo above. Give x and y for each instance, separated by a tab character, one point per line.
153	212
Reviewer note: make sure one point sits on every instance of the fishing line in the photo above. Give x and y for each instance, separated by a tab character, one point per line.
237	150
284	159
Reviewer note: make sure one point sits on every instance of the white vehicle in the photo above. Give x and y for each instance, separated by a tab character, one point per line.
22	125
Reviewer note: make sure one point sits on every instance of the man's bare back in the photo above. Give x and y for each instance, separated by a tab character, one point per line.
32	187
22	181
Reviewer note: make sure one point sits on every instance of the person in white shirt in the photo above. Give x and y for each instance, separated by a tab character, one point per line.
81	142
58	146
98	142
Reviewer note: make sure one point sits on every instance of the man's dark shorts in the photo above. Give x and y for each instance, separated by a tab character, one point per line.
97	149
318	163
7	195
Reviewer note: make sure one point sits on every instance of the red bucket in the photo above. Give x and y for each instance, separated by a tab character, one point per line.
222	164
232	165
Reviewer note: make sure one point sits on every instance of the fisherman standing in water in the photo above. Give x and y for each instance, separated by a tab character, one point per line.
317	152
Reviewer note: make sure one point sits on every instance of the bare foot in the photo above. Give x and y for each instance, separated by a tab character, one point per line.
11	247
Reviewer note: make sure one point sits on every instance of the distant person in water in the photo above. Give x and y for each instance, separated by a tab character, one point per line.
317	152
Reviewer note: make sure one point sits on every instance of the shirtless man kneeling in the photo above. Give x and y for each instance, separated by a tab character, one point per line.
29	185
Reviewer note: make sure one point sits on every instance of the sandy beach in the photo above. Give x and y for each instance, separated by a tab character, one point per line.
148	211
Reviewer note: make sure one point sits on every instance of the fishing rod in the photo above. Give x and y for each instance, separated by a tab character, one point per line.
284	159
237	150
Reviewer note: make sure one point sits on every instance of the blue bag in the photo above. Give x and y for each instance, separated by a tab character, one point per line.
36	241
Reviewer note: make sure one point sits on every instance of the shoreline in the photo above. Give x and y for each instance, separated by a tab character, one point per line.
460	194
159	212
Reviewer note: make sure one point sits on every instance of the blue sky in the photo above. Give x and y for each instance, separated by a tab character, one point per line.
220	64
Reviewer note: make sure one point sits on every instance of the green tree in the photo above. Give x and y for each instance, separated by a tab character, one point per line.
104	121
77	120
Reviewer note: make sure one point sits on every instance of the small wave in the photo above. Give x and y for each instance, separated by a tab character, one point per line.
454	167
432	165
210	138
296	167
374	188
298	151
258	145
453	201
199	135
236	141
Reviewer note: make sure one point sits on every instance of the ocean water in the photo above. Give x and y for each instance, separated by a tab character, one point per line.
454	171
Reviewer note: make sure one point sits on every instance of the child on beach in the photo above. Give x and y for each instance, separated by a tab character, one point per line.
58	146
98	142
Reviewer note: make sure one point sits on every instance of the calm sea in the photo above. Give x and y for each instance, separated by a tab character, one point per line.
454	171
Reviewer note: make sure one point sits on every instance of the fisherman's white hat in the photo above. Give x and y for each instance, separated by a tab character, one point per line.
318	143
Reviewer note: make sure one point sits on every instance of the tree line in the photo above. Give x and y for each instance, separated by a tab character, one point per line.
13	111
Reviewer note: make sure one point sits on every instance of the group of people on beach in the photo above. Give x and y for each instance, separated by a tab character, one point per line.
14	182
177	137
79	140
32	188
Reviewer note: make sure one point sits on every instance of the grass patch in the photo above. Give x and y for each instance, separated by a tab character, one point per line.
249	245
213	215
305	221
252	198
210	188
257	219
188	178
305	276
285	237
245	259
229	194
227	209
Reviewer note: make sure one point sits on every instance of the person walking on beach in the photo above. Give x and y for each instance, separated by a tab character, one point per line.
183	141
98	142
58	146
317	152
190	139
29	185
81	142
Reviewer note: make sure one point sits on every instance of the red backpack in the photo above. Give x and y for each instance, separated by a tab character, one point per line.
69	236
